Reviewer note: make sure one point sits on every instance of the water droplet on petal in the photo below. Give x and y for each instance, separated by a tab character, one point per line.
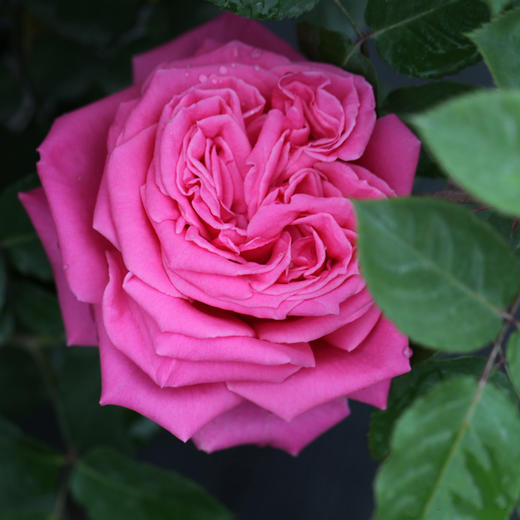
186	73
65	267
407	352
203	78
257	67
233	64
235	51
214	81
222	69
256	53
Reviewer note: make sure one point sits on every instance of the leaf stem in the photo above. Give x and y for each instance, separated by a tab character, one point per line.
497	345
486	372
348	16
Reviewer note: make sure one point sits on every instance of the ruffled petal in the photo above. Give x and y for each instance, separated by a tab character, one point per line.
337	373
182	411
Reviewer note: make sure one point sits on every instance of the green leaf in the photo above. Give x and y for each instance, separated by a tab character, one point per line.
455	454
505	226
407	388
15	226
425	38
6	325
3	280
513	358
438	272
51	80
37	310
27	516
321	44
79	388
496	6
17	235
498	42
329	16
267	9
476	139
410	100
90	22
29	472
113	487
10	94
29	259
21	387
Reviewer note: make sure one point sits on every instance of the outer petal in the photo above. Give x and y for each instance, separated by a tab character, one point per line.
376	394
392	154
337	373
249	424
72	160
77	316
182	411
223	29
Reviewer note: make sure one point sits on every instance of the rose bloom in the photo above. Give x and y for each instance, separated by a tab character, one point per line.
201	232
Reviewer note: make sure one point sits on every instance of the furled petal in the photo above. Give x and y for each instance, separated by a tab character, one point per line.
392	154
349	336
182	411
72	160
249	424
134	334
337	373
311	328
77	316
225	28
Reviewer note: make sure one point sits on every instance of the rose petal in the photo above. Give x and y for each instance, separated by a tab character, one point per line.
125	173
349	336
392	154
77	316
337	373
72	159
249	424
233	348
375	395
133	334
311	328
182	411
224	28
173	314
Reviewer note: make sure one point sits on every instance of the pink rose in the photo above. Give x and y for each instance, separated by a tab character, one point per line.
200	231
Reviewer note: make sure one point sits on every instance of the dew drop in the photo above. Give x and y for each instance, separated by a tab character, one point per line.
235	51
203	78
257	67
214	81
233	64
256	53
186	74
65	267
222	69
407	352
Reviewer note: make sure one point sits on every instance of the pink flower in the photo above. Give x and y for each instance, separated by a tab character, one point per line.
200	229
